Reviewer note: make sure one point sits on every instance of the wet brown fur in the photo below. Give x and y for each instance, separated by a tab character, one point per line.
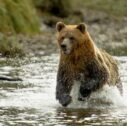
84	53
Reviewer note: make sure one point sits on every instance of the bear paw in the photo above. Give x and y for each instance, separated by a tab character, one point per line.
84	92
65	100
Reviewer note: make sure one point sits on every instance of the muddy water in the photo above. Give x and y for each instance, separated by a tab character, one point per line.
32	101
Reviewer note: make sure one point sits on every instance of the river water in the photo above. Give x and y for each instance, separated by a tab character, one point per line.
32	101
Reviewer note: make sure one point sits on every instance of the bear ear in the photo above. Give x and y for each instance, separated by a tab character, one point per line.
60	26
81	27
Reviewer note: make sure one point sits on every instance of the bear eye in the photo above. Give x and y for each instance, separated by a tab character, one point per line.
62	38
71	38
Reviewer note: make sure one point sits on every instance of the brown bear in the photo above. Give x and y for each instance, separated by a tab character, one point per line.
82	60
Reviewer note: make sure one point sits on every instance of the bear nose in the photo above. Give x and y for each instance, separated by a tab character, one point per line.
63	46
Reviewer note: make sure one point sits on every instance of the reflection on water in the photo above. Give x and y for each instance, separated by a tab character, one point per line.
32	102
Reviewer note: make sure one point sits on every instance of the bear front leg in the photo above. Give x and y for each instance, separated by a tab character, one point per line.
87	88
96	78
63	88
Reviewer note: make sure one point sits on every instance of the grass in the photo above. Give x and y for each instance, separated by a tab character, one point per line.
10	47
113	7
18	16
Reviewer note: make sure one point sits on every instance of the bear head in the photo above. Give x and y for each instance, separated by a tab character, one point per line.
70	37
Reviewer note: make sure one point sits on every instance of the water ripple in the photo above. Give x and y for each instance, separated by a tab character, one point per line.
32	101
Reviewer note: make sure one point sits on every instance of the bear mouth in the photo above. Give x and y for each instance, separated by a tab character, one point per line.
66	52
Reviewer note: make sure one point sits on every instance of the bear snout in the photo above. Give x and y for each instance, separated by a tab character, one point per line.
63	46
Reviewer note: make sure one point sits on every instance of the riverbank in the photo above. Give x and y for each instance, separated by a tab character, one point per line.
108	32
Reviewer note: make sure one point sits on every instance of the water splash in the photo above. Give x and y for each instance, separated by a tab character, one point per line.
109	96
32	102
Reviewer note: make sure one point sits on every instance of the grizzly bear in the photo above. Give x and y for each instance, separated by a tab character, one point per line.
82	60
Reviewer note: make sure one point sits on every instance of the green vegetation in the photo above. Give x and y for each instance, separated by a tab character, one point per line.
10	47
113	7
53	11
18	16
61	8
